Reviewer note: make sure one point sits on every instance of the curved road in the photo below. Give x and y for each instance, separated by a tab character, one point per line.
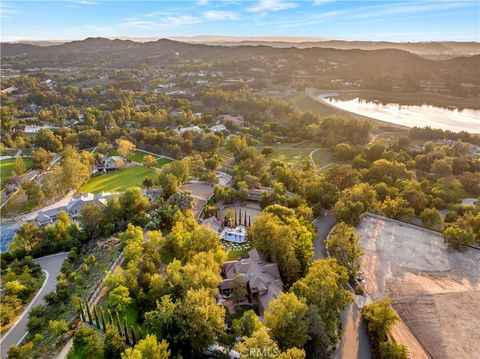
355	342
51	266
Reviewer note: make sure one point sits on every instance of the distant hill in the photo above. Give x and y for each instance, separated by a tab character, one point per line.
352	63
434	50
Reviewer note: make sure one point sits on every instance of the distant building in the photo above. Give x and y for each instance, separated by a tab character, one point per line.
262	279
176	113
113	162
36	129
237	120
195	129
218	128
73	208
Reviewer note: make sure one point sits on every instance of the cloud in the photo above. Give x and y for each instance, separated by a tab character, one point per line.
162	22
321	2
87	2
220	15
202	2
271	5
413	8
7	11
309	20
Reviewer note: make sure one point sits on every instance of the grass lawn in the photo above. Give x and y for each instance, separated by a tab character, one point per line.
118	181
8	166
235	253
137	156
322	157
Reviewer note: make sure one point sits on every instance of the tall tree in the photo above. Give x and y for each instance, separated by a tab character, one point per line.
286	317
344	247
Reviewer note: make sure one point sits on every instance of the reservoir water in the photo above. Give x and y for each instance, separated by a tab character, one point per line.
408	115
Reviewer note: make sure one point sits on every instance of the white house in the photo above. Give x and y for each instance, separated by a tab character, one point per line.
112	162
195	129
218	128
36	129
236	235
73	208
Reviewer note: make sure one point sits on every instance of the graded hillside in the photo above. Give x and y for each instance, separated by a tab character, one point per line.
435	289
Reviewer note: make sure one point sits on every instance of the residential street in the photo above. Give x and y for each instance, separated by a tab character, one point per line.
355	342
51	266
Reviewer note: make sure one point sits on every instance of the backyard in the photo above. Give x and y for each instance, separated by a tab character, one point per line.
7	166
118	181
137	156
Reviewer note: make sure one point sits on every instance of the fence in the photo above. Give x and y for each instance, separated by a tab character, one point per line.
97	291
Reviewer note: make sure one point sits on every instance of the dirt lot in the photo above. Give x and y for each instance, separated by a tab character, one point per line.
435	290
201	192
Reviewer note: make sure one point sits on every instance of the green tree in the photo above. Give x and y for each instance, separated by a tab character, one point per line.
458	237
286	317
42	159
148	348
204	318
48	141
323	286
58	327
259	344
75	169
380	318
183	200
167	322
431	218
88	341
119	298
239	289
149	161
169	184
389	350
397	208
91	217
19	166
246	324
125	147
344	247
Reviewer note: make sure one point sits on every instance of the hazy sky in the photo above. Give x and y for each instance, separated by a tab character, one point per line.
354	20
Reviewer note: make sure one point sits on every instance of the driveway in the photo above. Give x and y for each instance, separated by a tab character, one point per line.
51	266
355	342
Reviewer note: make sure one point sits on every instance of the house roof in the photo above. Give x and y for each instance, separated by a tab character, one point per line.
263	277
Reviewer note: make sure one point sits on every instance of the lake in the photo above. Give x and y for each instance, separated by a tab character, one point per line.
409	115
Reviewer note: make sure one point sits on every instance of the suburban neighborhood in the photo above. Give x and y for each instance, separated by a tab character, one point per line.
222	197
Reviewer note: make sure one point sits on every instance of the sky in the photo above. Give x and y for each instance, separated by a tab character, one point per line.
389	20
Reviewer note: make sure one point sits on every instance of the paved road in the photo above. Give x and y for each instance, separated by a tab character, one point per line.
355	342
51	266
324	225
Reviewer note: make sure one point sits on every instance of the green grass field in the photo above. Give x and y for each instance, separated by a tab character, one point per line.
306	103
137	156
118	181
8	166
235	253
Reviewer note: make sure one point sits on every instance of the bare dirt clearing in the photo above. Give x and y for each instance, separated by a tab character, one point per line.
436	290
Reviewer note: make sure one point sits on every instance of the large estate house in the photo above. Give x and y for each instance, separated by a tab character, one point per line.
73	208
262	279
